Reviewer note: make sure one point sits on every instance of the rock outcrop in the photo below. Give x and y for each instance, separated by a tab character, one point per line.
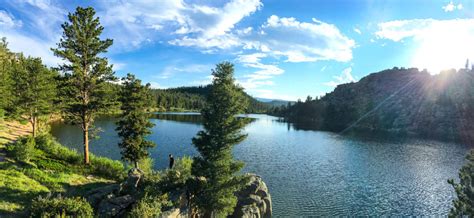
254	199
117	199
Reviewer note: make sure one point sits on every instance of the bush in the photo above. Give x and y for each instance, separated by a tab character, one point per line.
146	165
102	166
176	178
60	207
149	206
463	205
23	149
48	144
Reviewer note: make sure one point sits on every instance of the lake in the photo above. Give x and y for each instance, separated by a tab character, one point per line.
313	172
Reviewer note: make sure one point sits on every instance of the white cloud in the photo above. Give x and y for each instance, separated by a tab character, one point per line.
116	65
171	70
301	41
263	75
451	7
440	44
357	30
44	29
201	25
345	77
7	20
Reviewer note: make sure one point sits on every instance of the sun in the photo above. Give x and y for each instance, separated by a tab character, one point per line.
443	49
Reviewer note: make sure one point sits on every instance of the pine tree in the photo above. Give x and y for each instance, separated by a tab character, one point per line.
222	130
464	204
6	60
134	125
35	90
86	71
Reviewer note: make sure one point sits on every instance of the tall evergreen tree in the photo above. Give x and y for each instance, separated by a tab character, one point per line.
134	125
86	70
222	130
464	204
7	58
35	89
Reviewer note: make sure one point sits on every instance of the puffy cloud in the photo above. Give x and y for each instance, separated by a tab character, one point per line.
345	77
201	25
440	44
301	41
451	7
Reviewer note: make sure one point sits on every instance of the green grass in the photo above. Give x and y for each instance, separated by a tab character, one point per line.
50	172
17	190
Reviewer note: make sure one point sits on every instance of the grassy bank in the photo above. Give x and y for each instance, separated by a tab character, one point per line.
51	168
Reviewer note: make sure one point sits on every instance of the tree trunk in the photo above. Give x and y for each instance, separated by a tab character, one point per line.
136	164
33	126
86	143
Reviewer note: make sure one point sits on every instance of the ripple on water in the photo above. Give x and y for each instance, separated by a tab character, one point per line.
317	173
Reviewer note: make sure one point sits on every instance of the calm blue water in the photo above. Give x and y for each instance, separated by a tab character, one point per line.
314	172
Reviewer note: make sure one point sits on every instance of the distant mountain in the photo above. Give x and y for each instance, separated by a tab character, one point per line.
264	99
274	102
405	101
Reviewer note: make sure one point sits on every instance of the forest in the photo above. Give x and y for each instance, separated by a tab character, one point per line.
401	101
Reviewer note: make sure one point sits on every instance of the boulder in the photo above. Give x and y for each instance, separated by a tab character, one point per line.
116	200
94	197
132	182
254	199
115	206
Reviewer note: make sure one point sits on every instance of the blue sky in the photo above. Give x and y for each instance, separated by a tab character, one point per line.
281	49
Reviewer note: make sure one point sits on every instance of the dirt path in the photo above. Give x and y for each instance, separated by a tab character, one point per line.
10	131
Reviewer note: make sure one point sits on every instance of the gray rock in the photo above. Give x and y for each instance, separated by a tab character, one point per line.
94	197
116	206
132	182
254	199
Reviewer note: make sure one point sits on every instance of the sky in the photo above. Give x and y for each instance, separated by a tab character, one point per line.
281	49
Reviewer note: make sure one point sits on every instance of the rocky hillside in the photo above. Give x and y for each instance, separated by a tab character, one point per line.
406	101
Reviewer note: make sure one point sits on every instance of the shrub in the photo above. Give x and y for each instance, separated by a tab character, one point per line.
102	166
23	149
176	178
149	206
146	165
463	205
48	144
60	207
